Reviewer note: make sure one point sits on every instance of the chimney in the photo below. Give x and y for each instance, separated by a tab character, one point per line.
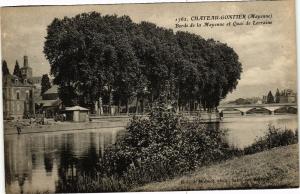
25	61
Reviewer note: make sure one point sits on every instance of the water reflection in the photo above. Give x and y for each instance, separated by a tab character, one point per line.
43	162
242	131
46	162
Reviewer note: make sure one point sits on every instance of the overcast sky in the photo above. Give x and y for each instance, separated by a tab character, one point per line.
267	52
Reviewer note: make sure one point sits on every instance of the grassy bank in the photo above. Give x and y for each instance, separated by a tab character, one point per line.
274	168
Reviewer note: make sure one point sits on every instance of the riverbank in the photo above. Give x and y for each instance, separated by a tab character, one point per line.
275	168
52	126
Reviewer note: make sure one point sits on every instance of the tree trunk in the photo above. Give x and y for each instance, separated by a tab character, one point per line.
177	101
127	107
152	97
142	105
100	106
110	101
190	108
96	107
136	105
119	107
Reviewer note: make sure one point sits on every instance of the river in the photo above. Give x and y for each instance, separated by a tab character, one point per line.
37	162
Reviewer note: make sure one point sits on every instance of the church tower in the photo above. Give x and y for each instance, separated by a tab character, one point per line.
26	71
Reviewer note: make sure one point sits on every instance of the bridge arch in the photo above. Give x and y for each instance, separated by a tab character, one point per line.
288	109
242	110
272	108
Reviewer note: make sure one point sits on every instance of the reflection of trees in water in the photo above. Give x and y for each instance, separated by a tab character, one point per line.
71	168
66	169
88	163
21	181
49	147
48	162
8	165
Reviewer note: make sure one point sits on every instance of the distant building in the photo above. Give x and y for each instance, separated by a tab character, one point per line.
259	102
288	96
285	96
265	99
50	103
77	114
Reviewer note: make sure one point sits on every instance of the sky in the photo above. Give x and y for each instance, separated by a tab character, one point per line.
267	52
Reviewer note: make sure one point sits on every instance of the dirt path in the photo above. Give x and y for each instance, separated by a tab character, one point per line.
10	127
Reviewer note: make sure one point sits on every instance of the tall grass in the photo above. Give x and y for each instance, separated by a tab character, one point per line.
274	137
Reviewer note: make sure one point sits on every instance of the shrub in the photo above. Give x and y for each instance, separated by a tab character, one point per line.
162	146
274	137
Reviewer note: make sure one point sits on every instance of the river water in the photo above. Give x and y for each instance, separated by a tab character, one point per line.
39	162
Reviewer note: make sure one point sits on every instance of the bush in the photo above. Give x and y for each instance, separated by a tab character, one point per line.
163	146
274	137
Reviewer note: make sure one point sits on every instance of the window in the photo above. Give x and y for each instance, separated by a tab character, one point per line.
16	81
18	95
25	81
27	95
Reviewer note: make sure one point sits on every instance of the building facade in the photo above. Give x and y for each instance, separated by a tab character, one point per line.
18	94
18	98
288	96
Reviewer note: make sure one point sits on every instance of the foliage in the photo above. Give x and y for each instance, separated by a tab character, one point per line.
45	83
17	70
274	137
163	146
270	97
5	70
93	55
277	96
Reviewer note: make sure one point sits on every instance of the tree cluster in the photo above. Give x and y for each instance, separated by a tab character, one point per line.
93	55
17	70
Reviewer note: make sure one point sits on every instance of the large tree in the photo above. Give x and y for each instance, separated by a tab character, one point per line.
270	98
277	96
17	70
5	70
45	83
94	56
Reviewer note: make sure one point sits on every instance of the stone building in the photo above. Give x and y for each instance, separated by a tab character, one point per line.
18	98
288	96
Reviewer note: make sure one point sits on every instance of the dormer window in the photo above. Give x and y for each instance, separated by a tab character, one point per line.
16	81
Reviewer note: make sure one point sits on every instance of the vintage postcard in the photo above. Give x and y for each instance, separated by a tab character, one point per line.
150	97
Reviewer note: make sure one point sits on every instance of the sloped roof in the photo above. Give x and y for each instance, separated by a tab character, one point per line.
10	81
47	103
76	108
52	90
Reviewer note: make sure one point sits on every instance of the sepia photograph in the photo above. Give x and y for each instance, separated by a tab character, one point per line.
149	97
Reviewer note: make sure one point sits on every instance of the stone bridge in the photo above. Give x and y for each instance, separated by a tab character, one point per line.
244	108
